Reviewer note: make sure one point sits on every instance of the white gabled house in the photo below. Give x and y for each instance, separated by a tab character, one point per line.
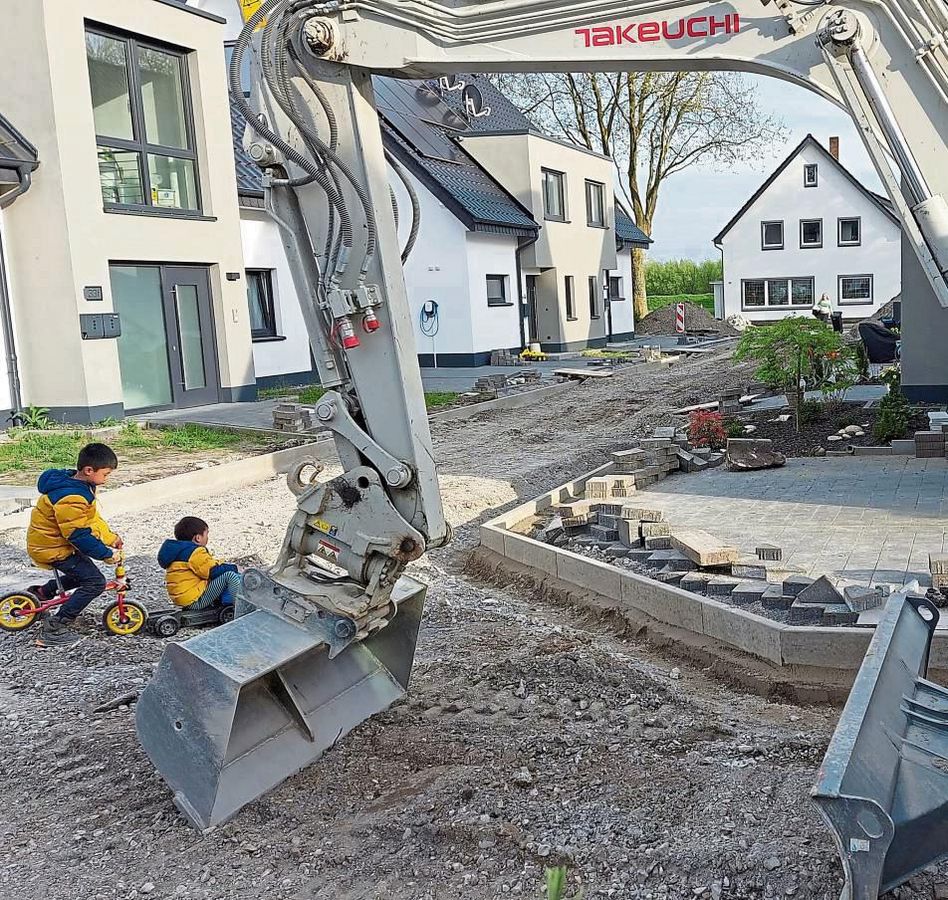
811	228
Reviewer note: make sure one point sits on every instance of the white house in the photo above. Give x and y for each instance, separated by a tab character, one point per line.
811	228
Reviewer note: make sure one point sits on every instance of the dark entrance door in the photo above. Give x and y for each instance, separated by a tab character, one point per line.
167	350
533	331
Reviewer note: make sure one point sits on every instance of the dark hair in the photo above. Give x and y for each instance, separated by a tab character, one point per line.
97	456
189	528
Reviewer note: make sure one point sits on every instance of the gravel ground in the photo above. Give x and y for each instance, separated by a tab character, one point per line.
531	735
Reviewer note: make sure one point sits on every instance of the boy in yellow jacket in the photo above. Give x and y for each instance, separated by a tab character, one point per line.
194	578
67	533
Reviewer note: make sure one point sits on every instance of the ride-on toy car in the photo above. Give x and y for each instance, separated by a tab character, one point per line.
166	622
21	609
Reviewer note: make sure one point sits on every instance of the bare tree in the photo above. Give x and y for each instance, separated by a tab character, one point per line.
652	124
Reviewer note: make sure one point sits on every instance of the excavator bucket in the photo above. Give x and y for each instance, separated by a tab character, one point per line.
232	713
883	785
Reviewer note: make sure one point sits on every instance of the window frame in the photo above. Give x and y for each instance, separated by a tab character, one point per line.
617	280
839	290
595	312
269	296
767	305
504	301
763	232
805	246
816	174
590	222
544	172
570	296
839	231
139	144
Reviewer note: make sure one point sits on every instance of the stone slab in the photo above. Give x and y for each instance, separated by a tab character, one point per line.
530	553
839	648
704	548
774	599
859	598
658	542
665	603
641	513
748	592
796	584
806	613
721	586
590	574
743	630
492	538
821	591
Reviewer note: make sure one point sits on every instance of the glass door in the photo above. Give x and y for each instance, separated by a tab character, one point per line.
190	327
533	331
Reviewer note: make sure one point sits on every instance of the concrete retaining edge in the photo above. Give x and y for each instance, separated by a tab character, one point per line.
200	483
511	401
838	650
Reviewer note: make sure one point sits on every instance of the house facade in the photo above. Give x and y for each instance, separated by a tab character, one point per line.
811	228
124	259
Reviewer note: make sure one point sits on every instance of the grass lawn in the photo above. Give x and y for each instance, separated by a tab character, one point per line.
310	393
705	300
31	452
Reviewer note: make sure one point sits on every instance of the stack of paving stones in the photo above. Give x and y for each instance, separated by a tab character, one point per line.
504	358
938	566
729	402
291	417
929	444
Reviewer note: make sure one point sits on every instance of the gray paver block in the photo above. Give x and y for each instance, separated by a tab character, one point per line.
796	584
669	576
806	613
906	447
721	586
837	614
659	542
695	581
602	533
748	592
821	591
860	598
773	598
938	563
768	552
655	529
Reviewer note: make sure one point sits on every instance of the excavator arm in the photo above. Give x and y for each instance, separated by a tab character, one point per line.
326	637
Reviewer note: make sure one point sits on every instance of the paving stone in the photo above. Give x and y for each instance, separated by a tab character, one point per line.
616	552
609	509
575	521
655	443
938	563
577	507
769	552
774	598
836	614
701	451
695	581
901	447
641	513
601	533
748	592
705	549
793	585
607	521
721	586
598	489
715	460
859	598
669	576
654	529
664	431
821	591
659	542
638	554
805	613
629	533
672	559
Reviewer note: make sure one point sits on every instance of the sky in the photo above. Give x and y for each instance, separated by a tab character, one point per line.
685	228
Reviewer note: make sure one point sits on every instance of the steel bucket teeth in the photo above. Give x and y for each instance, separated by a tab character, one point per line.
232	713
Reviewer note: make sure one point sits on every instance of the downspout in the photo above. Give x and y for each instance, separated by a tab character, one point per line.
6	310
521	246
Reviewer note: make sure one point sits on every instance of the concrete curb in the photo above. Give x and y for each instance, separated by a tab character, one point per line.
200	483
511	401
836	653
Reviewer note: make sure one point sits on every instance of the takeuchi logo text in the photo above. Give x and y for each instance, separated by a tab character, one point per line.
674	30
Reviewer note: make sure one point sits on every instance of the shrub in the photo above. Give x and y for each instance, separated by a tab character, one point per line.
894	410
840	372
706	429
810	411
733	428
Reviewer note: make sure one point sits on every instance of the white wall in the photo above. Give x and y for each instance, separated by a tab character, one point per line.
787	199
623	320
263	249
493	327
6	401
226	9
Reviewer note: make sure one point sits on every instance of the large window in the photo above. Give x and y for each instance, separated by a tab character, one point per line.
759	293
855	290
595	204
811	233
260	297
570	300
771	235
593	297
810	175
141	109
554	195
850	232
497	290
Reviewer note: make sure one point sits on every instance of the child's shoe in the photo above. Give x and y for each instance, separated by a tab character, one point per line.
54	632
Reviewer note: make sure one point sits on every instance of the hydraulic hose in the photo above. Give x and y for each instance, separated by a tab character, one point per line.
415	205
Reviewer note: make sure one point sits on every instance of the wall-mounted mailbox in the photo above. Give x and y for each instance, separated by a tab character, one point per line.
96	326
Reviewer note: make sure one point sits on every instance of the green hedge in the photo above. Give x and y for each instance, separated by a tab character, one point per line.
681	276
705	300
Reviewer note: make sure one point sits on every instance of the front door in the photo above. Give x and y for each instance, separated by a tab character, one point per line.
167	351
532	329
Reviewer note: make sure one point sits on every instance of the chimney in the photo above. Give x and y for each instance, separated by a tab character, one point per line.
834	148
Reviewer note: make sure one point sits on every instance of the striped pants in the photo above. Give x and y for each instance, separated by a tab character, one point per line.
229	581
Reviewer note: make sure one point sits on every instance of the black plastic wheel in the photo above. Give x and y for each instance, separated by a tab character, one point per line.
166	626
227	614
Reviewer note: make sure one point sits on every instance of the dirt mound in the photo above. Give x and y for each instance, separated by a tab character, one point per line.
697	320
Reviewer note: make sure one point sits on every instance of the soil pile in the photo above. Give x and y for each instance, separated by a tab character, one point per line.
697	320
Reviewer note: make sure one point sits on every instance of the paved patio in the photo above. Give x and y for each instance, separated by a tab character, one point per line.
870	520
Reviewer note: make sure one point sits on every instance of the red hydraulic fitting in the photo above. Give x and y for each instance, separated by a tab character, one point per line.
370	322
350	340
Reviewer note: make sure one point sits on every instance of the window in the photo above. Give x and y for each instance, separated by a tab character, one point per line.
554	195
850	232
811	233
771	235
615	288
809	175
759	293
593	297
570	300
595	204
855	289
497	290
260	298
141	109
